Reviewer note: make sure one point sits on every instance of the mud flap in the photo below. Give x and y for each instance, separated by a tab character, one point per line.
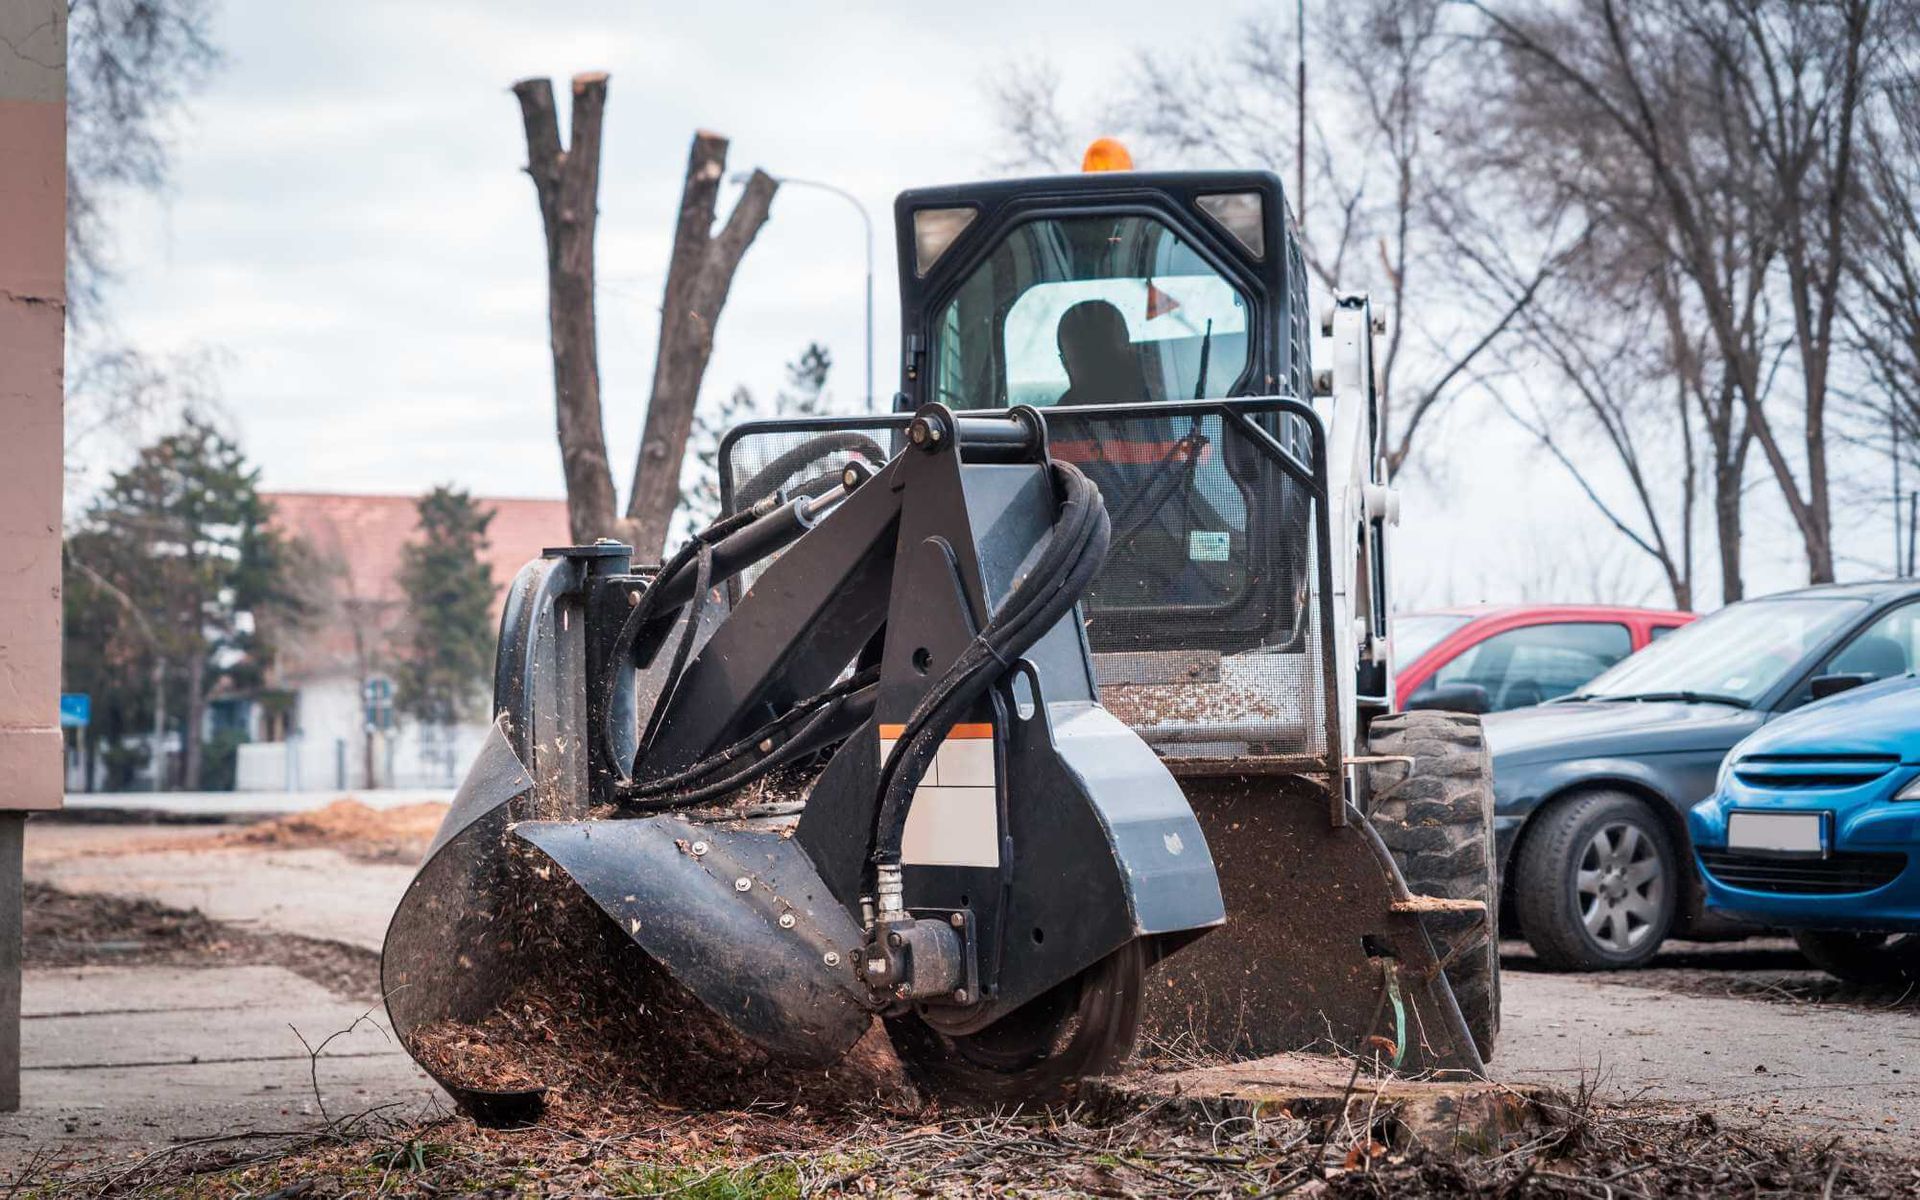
741	919
1323	947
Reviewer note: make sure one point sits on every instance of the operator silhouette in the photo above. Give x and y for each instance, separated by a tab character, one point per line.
1102	365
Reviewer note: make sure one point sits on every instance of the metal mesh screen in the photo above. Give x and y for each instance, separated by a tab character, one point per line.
785	461
1203	622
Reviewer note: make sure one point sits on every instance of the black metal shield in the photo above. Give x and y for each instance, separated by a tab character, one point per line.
741	919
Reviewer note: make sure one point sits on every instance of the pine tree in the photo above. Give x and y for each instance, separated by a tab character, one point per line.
449	639
168	574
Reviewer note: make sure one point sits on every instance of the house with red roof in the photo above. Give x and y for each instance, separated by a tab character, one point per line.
329	723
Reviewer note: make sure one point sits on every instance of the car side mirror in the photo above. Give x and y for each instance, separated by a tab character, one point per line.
1832	685
1453	697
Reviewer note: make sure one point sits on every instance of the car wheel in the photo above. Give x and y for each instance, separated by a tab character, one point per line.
1862	957
1435	815
1596	882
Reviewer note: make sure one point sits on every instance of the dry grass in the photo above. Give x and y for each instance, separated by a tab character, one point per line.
792	1150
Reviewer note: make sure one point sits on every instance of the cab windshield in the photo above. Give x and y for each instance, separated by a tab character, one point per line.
1090	310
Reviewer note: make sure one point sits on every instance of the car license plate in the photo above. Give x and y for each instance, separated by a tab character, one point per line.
1790	833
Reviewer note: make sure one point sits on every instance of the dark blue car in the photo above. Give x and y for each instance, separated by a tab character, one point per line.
1592	791
1815	826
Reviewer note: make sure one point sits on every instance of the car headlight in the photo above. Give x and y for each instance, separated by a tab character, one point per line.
1726	773
1909	790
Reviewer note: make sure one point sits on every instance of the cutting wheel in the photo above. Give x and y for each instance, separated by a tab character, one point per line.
1085	1026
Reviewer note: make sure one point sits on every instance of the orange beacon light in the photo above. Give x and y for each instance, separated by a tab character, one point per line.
1106	154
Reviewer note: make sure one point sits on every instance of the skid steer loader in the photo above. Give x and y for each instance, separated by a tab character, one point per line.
1047	711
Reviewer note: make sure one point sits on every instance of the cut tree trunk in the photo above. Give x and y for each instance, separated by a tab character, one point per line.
698	278
567	181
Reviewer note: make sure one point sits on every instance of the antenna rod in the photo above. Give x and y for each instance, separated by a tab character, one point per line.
1300	118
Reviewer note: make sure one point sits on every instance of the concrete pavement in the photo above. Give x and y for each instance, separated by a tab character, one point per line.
124	1060
120	1061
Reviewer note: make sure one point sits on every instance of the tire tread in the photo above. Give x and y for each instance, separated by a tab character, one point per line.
1436	819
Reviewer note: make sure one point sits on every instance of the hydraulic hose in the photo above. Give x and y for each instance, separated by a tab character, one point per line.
823	725
689	634
650	608
1074	553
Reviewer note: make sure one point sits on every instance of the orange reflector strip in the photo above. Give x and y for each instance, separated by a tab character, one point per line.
980	729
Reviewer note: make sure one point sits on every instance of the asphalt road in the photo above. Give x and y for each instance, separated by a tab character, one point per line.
1724	1029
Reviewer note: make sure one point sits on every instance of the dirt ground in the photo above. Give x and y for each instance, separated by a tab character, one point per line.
347	826
1730	1069
67	930
1588	1151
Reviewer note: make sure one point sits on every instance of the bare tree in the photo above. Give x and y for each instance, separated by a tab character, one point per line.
566	180
131	65
1882	313
698	278
1391	208
1609	421
1631	365
1727	131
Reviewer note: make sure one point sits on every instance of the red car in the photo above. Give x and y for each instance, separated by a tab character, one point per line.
1489	659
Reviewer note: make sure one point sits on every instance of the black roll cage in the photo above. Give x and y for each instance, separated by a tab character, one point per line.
1239	413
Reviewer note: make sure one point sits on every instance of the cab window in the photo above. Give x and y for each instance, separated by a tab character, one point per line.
1090	310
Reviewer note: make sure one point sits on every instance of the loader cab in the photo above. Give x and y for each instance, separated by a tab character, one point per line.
1122	297
1101	288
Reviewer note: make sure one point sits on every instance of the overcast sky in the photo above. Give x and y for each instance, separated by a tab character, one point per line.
350	229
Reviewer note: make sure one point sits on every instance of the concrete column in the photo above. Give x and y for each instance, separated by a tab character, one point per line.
12	904
33	305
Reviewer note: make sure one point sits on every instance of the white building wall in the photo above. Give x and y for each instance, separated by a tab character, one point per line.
327	749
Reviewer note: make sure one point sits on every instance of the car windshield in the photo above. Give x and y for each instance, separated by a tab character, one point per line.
1417	633
1736	655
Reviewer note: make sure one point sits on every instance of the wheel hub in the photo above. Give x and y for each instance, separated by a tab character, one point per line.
1613	883
1621	885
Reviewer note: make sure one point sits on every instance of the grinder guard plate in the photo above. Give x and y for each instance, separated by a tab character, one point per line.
726	945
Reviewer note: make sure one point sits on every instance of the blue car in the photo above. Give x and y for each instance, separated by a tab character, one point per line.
1814	825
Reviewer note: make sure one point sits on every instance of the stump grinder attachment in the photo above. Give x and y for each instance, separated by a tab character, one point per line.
1027	720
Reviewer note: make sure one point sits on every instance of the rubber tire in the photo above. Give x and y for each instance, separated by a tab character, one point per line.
1436	818
1106	1001
1859	958
1546	892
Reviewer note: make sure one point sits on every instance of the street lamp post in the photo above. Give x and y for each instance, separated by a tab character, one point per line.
866	221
